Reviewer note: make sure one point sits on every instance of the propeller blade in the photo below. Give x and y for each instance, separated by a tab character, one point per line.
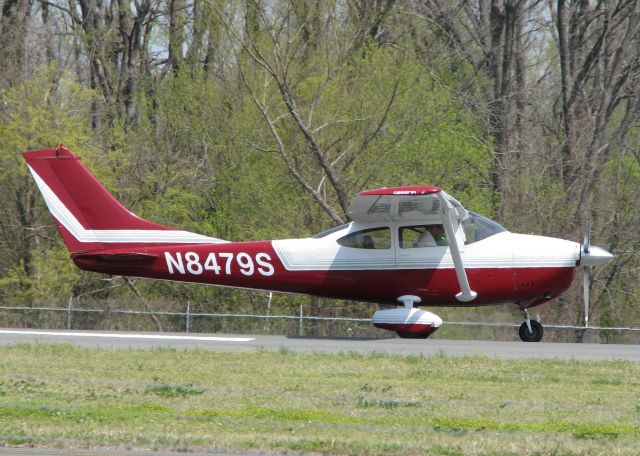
586	243
586	285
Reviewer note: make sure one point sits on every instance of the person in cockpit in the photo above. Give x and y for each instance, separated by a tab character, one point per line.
432	236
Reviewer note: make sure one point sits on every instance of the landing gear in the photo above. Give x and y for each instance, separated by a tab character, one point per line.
530	330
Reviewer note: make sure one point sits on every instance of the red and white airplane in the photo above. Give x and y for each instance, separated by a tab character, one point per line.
404	246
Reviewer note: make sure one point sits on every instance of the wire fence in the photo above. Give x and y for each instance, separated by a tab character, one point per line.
188	316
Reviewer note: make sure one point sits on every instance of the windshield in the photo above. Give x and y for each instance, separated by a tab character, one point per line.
476	227
330	231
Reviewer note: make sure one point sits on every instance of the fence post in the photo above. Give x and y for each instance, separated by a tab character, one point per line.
267	324
187	316
301	328
69	312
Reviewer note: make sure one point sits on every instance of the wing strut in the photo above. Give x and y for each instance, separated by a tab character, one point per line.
466	294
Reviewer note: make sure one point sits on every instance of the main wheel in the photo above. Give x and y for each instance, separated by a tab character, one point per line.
412	335
535	335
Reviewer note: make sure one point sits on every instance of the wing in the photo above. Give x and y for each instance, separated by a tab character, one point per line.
404	204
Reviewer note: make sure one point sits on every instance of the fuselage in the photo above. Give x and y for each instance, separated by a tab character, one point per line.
503	267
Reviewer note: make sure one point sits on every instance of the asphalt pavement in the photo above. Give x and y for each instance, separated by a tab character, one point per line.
393	346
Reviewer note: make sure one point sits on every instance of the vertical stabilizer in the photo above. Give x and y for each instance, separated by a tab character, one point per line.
87	215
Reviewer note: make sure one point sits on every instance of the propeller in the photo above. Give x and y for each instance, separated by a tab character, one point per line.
586	273
590	256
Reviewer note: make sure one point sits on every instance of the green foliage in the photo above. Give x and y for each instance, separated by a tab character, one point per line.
44	111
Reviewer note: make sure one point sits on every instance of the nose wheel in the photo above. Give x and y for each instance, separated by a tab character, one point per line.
530	330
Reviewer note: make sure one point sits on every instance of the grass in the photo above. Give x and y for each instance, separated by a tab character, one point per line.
64	396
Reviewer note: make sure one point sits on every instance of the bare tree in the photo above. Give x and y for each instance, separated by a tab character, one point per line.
599	49
177	22
599	106
278	45
13	34
116	39
493	37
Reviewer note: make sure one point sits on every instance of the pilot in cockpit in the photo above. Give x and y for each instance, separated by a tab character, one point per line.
432	236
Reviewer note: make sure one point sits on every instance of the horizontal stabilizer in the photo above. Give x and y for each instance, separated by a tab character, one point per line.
131	257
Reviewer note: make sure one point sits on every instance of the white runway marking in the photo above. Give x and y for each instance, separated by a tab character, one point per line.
128	336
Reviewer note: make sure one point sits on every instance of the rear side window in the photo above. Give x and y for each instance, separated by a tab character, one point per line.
372	238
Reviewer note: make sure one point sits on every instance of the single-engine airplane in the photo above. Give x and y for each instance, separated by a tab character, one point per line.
404	246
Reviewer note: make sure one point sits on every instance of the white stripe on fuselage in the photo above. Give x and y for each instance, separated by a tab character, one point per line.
71	223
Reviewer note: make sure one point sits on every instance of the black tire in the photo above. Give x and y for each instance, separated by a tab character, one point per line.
410	335
535	335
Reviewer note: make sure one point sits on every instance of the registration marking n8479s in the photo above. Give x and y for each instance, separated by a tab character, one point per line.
230	263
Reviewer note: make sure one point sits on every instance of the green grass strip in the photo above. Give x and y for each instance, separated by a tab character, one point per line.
58	395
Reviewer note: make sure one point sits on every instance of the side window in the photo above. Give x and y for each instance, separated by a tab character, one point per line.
373	238
422	236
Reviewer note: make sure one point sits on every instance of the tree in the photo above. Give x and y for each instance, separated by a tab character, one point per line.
13	34
298	78
599	54
115	37
492	37
33	262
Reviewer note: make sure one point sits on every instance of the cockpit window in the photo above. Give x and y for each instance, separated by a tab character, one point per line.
422	236
476	227
372	238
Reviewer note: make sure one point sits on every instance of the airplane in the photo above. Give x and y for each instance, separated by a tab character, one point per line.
403	247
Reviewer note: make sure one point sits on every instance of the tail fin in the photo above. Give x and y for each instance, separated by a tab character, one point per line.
87	215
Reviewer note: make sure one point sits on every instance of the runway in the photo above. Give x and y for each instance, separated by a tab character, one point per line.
244	343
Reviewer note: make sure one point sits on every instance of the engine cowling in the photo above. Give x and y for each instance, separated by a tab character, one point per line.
408	323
